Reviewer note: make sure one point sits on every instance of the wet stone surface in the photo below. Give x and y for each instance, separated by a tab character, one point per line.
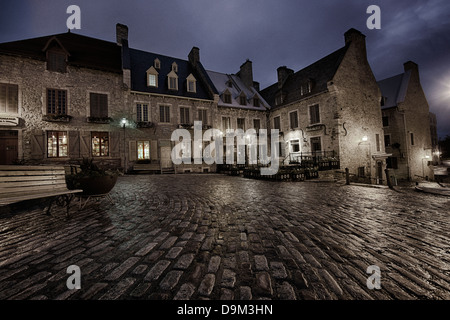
219	237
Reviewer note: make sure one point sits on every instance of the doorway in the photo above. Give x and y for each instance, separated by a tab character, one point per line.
9	144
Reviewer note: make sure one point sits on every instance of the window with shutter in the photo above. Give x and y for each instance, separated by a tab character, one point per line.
293	120
98	105
314	114
9	97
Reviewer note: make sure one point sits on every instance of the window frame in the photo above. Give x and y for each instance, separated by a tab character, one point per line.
314	114
102	135
103	110
296	122
9	90
275	122
164	117
142	112
145	156
58	146
56	107
203	116
185	113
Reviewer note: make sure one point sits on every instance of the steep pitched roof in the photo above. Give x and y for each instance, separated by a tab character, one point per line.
394	89
83	51
237	88
319	73
140	61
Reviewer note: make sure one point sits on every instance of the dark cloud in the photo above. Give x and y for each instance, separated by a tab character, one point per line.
271	33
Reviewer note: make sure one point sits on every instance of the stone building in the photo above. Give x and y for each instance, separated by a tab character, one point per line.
406	123
61	98
164	94
331	109
240	106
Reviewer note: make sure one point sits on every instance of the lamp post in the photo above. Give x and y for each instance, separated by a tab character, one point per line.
124	122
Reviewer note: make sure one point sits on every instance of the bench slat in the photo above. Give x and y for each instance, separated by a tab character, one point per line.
30	178
27	183
29	168
31	173
24	190
37	195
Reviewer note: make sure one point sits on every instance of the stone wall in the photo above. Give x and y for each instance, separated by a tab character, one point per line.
33	81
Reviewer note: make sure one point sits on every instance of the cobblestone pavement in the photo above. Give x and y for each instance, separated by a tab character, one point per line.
220	237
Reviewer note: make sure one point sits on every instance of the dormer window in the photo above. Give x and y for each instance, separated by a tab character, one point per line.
306	88
191	83
152	77
242	99
157	64
56	61
227	97
174	67
172	80
256	102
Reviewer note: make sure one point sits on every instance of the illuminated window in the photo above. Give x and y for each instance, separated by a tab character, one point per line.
143	150
100	144
152	80
57	144
295	145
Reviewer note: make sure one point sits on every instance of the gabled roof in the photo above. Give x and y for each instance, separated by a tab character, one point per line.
394	89
221	80
83	51
319	73
140	61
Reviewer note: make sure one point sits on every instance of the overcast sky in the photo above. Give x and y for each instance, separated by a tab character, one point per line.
271	33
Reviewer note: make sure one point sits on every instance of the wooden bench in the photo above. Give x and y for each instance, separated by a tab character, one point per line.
20	183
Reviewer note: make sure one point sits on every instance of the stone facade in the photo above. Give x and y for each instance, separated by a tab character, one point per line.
406	122
331	113
37	123
66	97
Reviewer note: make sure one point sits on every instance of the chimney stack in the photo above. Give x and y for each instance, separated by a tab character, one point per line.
121	33
246	73
283	73
355	37
194	56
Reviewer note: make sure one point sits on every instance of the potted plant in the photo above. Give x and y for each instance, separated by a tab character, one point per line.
92	179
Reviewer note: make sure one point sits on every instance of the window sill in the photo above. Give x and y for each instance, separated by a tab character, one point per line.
102	120
56	118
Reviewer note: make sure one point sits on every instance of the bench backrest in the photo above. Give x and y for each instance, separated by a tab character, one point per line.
23	179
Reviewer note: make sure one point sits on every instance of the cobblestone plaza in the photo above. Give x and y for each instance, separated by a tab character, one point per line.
210	236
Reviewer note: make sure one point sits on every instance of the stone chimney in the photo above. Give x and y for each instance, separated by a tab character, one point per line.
194	56
246	73
121	33
409	65
283	73
355	37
